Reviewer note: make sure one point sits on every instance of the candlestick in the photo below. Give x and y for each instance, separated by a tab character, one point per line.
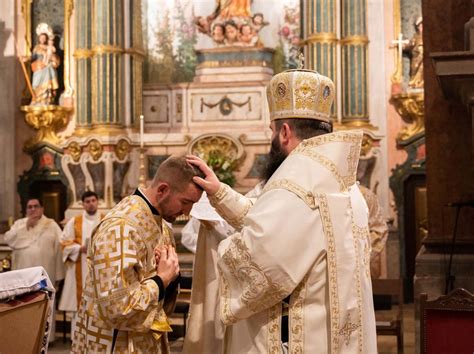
142	130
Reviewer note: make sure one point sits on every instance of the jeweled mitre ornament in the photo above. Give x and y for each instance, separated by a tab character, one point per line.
300	94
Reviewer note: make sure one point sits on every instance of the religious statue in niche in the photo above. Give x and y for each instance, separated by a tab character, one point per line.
44	62
414	49
407	94
232	24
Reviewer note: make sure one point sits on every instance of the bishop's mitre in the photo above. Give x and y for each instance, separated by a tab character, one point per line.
300	94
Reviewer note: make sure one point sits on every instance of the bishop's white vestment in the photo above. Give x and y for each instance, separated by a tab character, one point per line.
306	238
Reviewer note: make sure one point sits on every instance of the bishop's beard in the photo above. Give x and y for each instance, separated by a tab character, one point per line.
274	159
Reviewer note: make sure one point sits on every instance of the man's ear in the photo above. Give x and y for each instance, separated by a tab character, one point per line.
163	189
285	134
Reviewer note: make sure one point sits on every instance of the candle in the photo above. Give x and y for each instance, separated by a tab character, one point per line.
142	128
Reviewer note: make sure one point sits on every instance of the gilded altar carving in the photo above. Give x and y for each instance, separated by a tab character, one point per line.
95	149
204	145
122	149
74	150
411	107
367	144
48	121
221	152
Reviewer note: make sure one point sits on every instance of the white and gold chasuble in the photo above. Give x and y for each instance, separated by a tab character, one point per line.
119	293
305	237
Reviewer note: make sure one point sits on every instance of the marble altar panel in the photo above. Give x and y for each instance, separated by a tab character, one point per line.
156	107
226	105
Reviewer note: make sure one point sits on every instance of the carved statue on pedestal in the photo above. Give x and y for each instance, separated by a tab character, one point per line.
43	114
232	24
227	9
44	62
409	101
415	50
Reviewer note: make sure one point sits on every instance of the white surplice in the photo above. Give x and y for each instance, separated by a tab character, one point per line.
36	246
306	238
72	257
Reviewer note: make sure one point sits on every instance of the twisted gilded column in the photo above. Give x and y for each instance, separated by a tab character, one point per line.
354	54
320	38
107	72
83	56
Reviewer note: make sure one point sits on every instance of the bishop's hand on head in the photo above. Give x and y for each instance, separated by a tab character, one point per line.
210	183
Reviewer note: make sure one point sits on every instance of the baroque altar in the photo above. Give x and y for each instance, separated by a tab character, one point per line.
226	101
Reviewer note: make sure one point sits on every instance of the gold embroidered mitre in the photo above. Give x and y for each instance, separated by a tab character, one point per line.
300	94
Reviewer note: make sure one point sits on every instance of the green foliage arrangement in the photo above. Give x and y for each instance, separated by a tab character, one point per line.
222	166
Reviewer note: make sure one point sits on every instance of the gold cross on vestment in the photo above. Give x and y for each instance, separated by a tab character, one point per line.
348	328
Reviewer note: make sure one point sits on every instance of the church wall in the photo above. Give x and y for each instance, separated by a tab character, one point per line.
8	64
378	95
393	156
14	131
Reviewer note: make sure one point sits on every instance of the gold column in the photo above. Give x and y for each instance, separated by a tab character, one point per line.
320	38
107	71
68	91
83	56
354	56
137	55
397	29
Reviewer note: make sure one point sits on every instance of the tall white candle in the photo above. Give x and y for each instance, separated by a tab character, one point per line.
142	130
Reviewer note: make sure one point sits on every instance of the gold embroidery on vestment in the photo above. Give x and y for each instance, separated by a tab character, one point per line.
359	234
258	289
274	329
235	221
337	137
367	260
332	271
227	314
325	162
348	328
296	318
353	158
293	187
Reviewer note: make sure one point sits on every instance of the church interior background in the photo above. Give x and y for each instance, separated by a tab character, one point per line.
203	93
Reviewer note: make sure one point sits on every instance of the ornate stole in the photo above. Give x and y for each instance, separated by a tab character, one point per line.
78	240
